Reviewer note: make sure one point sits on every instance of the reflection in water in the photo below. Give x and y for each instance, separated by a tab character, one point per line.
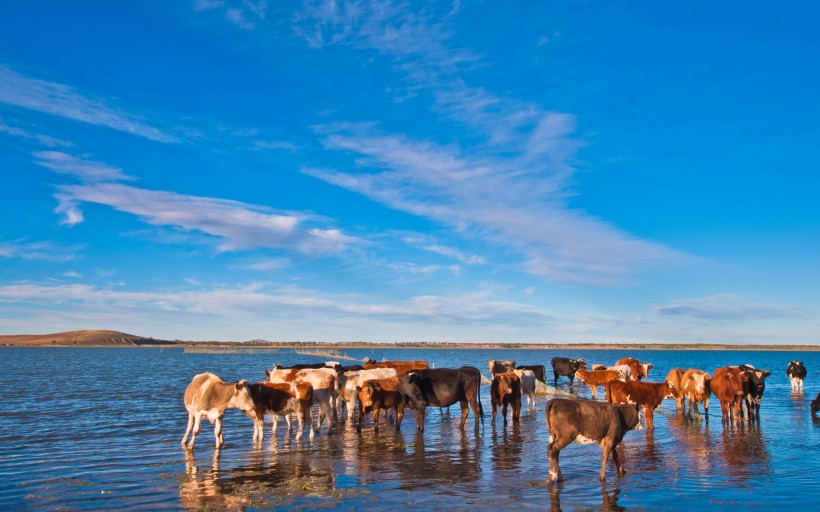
694	441
203	490
609	501
744	450
507	447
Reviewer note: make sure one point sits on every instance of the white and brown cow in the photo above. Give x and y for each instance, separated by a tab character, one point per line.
323	381
207	395
697	386
587	421
350	382
281	400
638	370
796	373
673	378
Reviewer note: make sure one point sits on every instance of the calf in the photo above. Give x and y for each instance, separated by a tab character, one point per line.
638	370
757	380
674	379
323	381
207	395
442	388
538	370
500	366
506	390
697	386
378	394
585	421
566	367
527	378
401	367
729	385
350	382
281	400
596	378
649	395
796	373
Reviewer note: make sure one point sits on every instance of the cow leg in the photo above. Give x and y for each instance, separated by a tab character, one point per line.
504	412
475	405
553	451
376	417
555	379
287	420
616	459
495	411
465	410
649	414
195	431
308	415
218	432
275	424
190	427
361	420
706	407
606	450
594	390
256	428
399	414
419	413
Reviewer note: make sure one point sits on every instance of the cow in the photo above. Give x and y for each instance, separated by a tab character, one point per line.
351	368
506	390
377	394
815	404
796	373
311	366
596	378
697	386
538	370
350	382
401	367
566	367
674	379
649	395
442	388
757	380
730	386
500	366
586	421
281	400
207	395
323	381
638	370
527	378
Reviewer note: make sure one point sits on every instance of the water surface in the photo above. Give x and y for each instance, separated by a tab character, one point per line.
87	428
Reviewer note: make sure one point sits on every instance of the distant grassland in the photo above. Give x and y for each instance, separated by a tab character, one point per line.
104	338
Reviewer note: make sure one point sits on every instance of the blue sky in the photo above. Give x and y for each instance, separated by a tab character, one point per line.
411	171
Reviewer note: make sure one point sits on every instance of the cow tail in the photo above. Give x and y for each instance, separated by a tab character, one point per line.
480	408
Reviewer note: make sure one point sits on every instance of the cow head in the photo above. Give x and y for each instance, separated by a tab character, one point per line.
411	391
671	392
366	393
580	363
241	398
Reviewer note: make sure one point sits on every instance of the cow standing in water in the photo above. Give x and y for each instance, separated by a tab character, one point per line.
442	388
587	421
796	373
207	395
564	366
506	390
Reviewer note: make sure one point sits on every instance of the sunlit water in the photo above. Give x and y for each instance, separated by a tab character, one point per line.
88	428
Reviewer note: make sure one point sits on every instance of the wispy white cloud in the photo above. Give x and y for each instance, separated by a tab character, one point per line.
245	14
43	140
269	264
428	243
42	251
86	170
65	101
725	307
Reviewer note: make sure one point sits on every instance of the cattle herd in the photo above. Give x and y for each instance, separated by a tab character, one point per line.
396	385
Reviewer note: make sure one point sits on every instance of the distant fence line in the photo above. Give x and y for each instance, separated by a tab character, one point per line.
231	350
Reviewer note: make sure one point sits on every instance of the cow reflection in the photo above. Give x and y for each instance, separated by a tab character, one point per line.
609	501
423	465
507	448
745	452
694	440
203	490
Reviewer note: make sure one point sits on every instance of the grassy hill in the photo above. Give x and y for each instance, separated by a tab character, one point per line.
80	338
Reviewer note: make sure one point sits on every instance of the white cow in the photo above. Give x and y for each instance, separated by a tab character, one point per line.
323	381
207	395
527	378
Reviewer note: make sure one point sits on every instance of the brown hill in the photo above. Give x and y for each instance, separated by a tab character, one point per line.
79	338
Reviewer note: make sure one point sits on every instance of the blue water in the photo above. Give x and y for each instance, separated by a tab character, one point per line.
87	428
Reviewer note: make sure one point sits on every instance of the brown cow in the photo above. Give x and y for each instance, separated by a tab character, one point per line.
647	394
281	400
730	385
586	421
638	370
207	395
378	394
697	386
596	378
674	379
401	367
506	389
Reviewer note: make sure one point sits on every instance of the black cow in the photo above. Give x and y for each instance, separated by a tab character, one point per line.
757	381
588	421
566	367
442	387
350	368
310	366
538	369
796	372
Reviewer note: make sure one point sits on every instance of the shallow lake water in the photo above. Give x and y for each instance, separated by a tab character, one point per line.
88	428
